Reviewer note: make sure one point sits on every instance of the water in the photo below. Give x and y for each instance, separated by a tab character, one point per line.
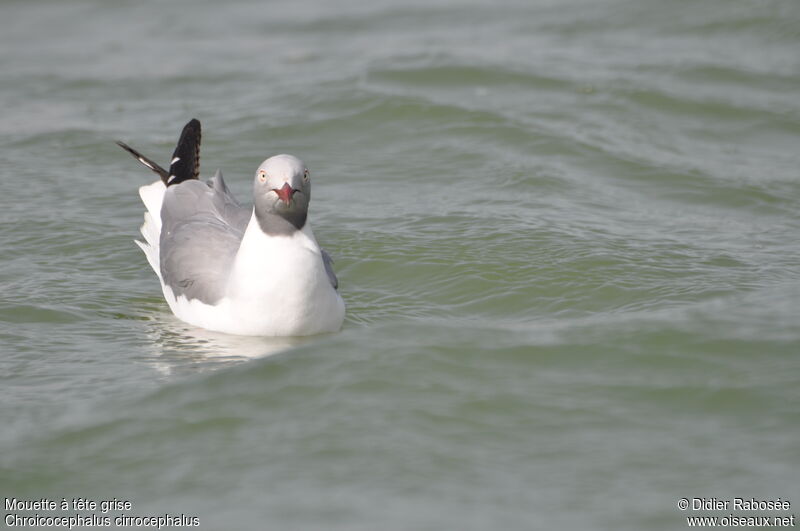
566	234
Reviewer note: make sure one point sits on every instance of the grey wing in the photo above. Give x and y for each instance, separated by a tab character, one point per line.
229	208
328	262
202	227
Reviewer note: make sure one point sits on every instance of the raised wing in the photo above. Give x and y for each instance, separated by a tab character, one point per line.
185	163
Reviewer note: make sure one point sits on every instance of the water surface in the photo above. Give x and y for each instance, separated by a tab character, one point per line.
566	234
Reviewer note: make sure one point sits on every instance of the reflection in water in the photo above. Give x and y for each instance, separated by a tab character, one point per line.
182	348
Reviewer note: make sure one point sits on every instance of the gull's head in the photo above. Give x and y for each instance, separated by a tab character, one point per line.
281	188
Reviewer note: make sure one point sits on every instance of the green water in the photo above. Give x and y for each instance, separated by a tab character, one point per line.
566	234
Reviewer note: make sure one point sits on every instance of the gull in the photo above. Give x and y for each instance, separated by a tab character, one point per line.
223	266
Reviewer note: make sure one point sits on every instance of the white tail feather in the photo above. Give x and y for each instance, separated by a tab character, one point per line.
152	256
150	230
152	196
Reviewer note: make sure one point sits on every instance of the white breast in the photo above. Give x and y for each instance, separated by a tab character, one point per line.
277	287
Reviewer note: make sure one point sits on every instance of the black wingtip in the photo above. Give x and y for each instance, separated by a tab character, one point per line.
144	160
185	164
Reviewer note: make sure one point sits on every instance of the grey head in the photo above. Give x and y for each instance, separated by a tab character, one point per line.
281	192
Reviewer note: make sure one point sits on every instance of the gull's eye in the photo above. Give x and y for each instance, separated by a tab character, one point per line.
262	176
305	175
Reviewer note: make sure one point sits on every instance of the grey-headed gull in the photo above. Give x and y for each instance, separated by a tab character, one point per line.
232	268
